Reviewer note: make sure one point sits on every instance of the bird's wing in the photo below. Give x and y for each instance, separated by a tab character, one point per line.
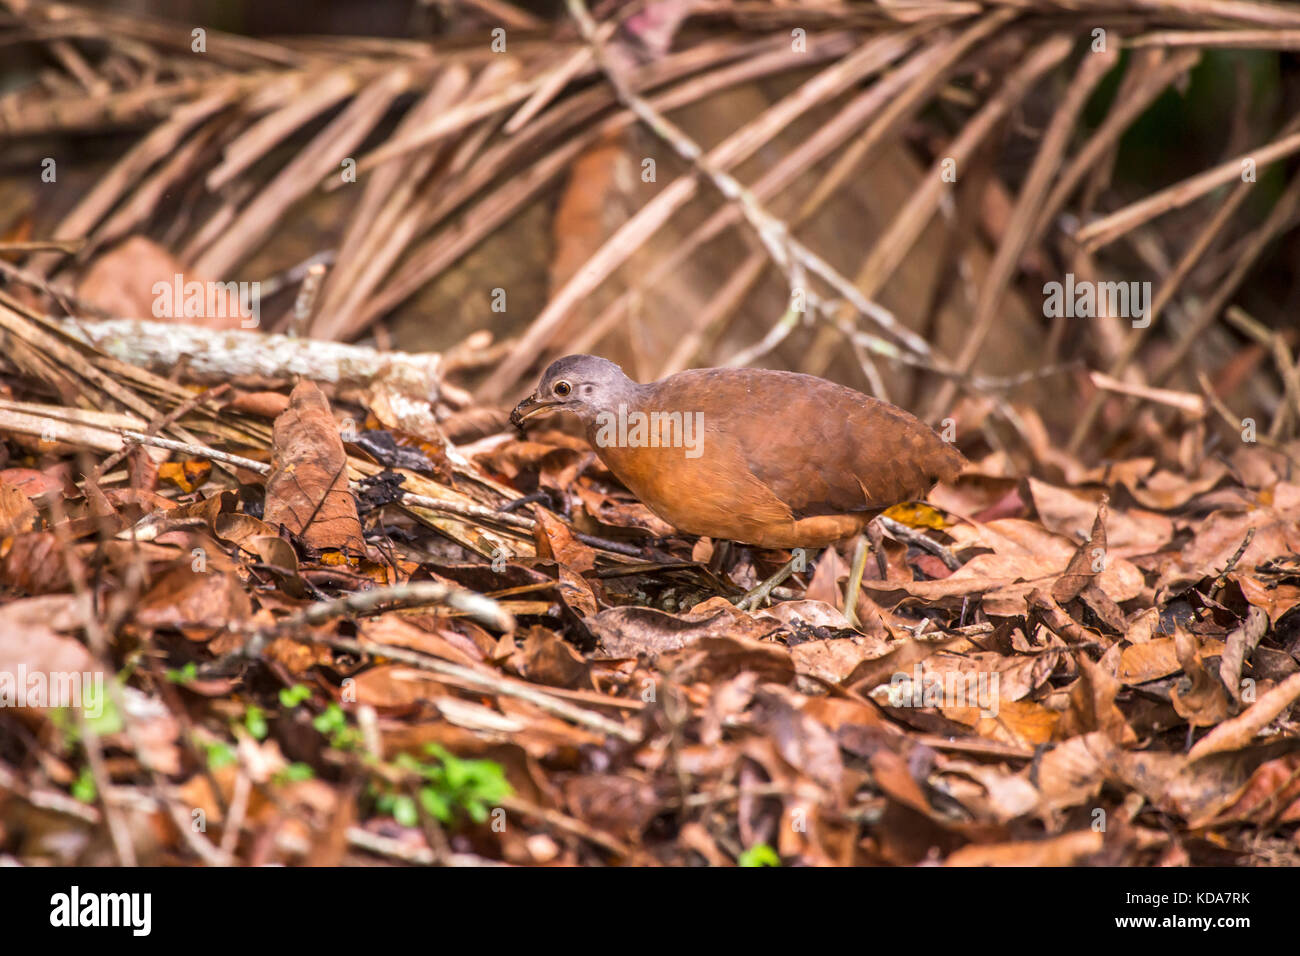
820	447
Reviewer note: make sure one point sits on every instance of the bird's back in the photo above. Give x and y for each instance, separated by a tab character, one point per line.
820	447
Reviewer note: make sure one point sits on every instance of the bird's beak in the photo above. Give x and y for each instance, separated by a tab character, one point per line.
528	408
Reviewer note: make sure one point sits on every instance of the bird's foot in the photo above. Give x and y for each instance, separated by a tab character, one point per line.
754	598
537	497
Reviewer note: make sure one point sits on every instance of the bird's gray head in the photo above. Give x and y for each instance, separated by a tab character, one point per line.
582	384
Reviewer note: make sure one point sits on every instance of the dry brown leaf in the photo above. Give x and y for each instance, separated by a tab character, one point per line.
307	491
1238	732
1068	849
628	631
1200	699
17	513
1086	563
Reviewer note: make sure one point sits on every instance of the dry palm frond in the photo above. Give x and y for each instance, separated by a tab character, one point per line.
448	143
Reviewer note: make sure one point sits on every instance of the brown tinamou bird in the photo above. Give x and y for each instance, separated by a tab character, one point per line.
766	458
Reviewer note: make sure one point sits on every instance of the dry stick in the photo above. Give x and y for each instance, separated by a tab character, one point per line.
54	800
1203	240
509	14
1233	39
1110	228
434	255
158	425
297	179
212	355
228	48
1261	14
1215	11
488	682
118	832
1286	365
412	594
1235	733
1116	122
1278	218
896	242
786	251
65	246
854	584
1019	228
796	163
386	198
1234	422
234	817
412	201
75	64
1221	581
1186	402
926	74
773	233
197	450
566	823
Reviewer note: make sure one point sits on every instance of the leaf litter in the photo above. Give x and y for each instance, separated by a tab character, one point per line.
1109	674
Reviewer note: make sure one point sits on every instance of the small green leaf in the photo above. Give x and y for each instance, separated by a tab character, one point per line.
291	697
436	804
404	811
220	754
295	773
255	722
83	788
109	720
185	675
477	810
760	854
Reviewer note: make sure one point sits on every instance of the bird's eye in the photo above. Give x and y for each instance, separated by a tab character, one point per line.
562	388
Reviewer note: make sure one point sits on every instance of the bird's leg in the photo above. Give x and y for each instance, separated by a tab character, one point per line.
872	537
877	538
854	584
755	597
721	552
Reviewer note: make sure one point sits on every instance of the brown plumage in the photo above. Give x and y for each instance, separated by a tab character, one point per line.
783	459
